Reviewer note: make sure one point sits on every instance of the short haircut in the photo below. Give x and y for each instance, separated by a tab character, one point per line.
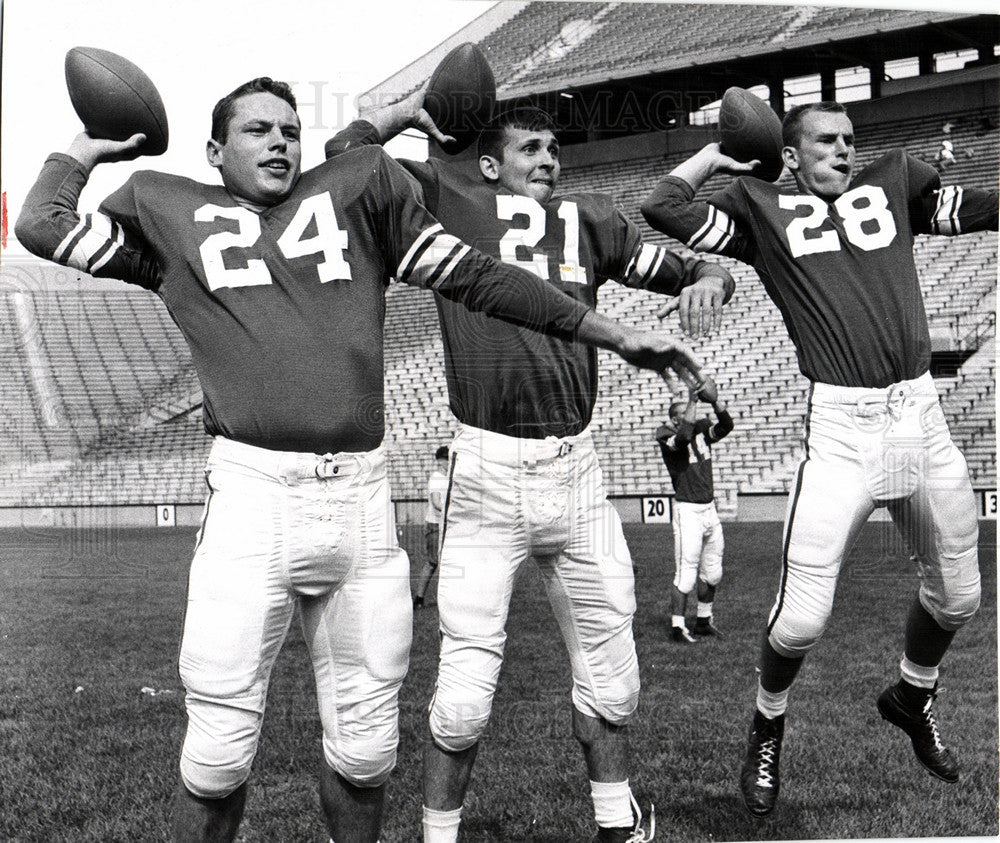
677	409
441	453
791	126
526	117
223	111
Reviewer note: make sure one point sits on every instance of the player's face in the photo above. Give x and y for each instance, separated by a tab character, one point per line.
261	159
823	161
530	165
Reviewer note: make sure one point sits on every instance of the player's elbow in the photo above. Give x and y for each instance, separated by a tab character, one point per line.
658	209
30	231
651	210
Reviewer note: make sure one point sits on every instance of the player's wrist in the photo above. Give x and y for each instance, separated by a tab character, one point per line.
82	151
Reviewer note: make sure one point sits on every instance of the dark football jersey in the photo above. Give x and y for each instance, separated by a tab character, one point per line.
500	377
283	309
687	453
841	273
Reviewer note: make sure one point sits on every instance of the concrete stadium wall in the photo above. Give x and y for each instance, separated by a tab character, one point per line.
632	510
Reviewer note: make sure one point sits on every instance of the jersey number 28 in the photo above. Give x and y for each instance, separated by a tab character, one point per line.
868	221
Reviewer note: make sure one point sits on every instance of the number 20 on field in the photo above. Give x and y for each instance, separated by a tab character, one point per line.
656	510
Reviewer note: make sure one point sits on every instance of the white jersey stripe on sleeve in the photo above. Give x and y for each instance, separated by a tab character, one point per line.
116	240
646	263
715	234
945	219
456	254
59	255
423	240
91	244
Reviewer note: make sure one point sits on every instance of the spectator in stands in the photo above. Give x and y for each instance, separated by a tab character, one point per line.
437	487
685	443
836	256
285	331
945	156
524	476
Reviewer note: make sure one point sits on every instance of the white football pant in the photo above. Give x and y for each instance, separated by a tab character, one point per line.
509	499
698	545
867	448
279	530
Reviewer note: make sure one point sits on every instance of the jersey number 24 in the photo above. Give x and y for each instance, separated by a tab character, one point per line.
329	241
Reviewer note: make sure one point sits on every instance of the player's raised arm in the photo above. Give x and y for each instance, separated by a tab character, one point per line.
379	124
50	226
702	226
723	426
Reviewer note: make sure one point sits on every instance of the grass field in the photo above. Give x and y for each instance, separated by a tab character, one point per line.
88	620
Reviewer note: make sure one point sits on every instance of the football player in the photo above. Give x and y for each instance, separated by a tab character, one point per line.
686	445
277	280
437	488
524	479
835	254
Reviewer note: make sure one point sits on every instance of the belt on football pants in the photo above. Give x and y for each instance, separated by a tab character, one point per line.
292	467
514	451
870	396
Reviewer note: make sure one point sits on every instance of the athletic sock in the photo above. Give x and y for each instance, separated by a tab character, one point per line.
917	674
704	611
677	620
441	826
771	703
612	804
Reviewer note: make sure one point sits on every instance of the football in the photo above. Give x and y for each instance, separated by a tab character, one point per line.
460	95
115	99
748	129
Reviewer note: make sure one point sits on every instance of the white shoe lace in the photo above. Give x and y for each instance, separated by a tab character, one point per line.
765	763
639	833
931	721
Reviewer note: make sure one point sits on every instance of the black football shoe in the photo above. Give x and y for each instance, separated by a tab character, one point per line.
630	834
682	636
919	723
705	627
759	779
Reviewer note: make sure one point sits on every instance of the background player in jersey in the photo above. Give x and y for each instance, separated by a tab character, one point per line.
524	475
698	541
836	256
277	280
437	487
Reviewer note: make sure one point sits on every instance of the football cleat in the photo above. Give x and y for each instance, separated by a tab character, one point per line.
921	725
759	779
704	626
682	636
635	834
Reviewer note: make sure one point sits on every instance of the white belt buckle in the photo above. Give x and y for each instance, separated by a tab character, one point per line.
327	469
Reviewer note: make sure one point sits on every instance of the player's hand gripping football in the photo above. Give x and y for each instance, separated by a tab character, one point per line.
722	163
709	392
408	112
699	306
90	151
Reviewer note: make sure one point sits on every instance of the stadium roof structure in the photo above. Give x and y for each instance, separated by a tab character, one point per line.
539	49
